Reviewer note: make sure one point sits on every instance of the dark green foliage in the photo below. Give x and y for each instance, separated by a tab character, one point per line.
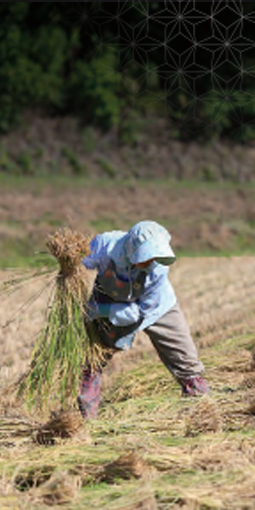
25	162
94	87
30	71
107	167
6	163
73	160
75	58
131	126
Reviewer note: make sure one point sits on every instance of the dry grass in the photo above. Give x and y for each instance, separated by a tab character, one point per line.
205	417
220	302
64	424
150	448
61	489
127	466
140	501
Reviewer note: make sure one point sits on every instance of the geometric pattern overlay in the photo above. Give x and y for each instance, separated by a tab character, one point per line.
202	49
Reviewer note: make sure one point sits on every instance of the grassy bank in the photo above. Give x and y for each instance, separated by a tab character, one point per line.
203	218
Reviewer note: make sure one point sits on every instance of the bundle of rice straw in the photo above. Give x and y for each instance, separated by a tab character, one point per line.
63	345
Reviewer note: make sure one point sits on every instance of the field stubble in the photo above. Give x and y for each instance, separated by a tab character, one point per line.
217	295
201	218
149	448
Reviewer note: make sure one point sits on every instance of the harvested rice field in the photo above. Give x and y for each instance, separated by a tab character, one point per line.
150	448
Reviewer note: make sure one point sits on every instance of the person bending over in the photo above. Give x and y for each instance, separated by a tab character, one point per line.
132	293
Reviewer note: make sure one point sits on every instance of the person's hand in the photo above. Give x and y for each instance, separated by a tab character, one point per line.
98	310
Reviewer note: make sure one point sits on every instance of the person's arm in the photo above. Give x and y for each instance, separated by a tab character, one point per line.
158	296
97	260
124	314
152	299
120	314
98	256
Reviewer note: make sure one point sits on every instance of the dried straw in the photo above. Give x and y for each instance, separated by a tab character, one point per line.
127	466
64	344
64	424
248	381
204	417
251	407
142	501
62	488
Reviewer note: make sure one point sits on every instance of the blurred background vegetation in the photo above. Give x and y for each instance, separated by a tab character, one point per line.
127	110
94	60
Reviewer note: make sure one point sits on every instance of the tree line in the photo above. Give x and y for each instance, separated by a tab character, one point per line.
110	63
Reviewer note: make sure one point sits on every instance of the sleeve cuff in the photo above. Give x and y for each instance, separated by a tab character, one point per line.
124	314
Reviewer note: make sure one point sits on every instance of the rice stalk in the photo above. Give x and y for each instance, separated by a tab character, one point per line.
204	417
9	287
64	344
25	306
61	489
65	424
127	466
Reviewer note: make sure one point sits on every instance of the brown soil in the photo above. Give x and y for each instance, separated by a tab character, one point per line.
203	218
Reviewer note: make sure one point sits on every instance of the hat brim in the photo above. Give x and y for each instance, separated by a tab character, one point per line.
165	261
163	254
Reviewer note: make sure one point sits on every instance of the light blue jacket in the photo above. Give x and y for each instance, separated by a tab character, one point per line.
144	241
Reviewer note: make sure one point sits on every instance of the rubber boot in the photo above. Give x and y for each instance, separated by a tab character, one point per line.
194	386
89	397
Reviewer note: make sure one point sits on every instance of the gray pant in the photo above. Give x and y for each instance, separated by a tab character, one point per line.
172	340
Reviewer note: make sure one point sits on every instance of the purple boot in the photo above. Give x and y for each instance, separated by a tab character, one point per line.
89	397
194	386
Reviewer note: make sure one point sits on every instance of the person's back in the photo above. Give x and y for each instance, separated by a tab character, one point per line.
132	292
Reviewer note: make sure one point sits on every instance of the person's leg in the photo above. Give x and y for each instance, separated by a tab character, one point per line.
91	379
172	340
89	395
